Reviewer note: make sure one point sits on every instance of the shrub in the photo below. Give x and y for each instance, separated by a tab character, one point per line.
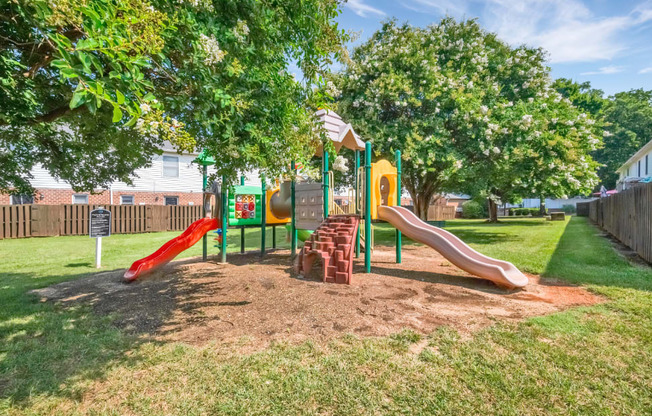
472	209
534	212
568	209
510	212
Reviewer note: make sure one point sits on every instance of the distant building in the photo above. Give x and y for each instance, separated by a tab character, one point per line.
638	168
455	200
172	179
551	204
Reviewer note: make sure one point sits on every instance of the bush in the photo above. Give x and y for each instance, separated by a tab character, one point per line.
534	212
510	212
472	210
568	209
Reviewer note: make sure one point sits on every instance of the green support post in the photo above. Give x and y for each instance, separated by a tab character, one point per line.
357	199
242	229
325	183
273	236
225	216
367	207
263	220
293	230
204	252
399	242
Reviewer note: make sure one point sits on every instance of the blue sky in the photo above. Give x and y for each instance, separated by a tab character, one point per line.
606	42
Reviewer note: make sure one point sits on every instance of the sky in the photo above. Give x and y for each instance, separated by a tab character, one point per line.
606	42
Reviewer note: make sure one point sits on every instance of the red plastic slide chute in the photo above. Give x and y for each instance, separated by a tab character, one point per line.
171	249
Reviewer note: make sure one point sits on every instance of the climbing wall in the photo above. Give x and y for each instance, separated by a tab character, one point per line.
333	243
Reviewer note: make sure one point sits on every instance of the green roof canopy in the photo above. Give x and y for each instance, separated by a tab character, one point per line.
205	159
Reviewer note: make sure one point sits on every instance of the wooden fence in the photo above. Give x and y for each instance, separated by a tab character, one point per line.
583	209
18	221
441	213
627	216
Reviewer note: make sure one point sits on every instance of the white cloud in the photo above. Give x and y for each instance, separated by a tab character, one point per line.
646	70
567	29
605	70
363	10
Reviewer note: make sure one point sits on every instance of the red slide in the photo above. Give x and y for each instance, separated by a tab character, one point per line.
171	249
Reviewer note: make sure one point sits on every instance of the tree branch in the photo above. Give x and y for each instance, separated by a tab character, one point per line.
52	115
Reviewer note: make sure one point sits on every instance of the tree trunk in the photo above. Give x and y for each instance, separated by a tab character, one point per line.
493	210
421	191
542	205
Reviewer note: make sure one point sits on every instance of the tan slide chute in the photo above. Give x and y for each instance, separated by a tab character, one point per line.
502	273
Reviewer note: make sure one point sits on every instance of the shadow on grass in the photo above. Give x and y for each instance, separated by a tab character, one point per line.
53	338
83	264
44	345
53	335
583	256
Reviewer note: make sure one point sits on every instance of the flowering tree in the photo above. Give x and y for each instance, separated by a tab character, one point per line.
469	113
91	89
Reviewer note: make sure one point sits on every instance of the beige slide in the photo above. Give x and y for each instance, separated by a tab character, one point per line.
502	273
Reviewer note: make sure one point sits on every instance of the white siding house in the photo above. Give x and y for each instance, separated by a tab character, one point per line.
637	168
176	173
172	179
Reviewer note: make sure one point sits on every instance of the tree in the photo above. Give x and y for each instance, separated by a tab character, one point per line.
469	113
625	120
583	96
91	89
628	126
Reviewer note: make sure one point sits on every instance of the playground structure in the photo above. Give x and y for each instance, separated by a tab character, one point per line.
338	235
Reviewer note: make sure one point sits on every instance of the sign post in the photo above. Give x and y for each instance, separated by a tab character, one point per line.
100	226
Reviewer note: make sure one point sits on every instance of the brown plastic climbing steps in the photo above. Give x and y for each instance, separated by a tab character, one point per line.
332	242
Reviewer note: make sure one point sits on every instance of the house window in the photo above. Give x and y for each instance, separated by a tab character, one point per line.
171	200
639	169
171	166
80	199
22	199
647	165
126	199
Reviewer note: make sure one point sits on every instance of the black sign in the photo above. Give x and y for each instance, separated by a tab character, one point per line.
100	223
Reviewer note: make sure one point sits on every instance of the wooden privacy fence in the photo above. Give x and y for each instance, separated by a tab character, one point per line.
627	216
18	221
583	209
441	213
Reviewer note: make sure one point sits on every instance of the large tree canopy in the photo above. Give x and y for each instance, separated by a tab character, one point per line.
628	126
91	89
469	112
625	118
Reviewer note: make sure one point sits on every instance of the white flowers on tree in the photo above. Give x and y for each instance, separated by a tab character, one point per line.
341	164
211	48
453	95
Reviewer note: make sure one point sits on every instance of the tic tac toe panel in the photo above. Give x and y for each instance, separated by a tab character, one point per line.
245	205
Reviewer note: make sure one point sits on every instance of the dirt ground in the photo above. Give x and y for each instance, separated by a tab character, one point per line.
251	303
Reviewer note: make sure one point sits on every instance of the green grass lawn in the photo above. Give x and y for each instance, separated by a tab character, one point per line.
590	360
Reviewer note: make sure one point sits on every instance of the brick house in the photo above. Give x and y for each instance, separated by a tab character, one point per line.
172	179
